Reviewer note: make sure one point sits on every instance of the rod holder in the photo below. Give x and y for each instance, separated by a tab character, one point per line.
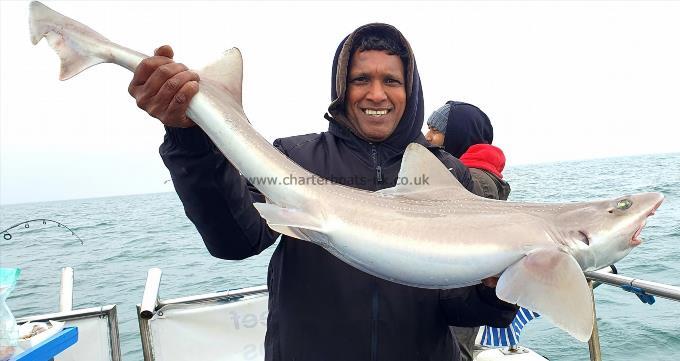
66	290
150	298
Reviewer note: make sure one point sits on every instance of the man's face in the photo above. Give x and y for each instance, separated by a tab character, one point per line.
376	93
435	137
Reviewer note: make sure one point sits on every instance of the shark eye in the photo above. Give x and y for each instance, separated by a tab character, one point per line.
624	204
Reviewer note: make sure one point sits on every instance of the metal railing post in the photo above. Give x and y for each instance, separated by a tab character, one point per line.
594	342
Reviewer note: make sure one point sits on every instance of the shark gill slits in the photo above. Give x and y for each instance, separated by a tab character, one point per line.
584	238
624	204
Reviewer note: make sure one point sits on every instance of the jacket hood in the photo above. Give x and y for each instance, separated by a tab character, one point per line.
467	125
409	127
485	156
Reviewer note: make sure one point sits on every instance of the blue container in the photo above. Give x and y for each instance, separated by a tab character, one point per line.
51	347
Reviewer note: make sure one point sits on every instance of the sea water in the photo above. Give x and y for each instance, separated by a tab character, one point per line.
125	236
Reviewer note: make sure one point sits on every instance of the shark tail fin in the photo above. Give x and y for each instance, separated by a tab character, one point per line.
74	43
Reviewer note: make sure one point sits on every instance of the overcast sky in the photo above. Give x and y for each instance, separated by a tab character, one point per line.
560	81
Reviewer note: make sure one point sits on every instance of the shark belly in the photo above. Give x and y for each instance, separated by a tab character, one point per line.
403	251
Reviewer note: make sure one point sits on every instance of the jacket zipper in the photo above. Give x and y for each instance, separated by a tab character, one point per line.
378	168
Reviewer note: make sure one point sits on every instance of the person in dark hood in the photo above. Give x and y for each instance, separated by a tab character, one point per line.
320	308
465	131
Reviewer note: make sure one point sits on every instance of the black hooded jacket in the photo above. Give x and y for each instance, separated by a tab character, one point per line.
466	125
469	135
319	307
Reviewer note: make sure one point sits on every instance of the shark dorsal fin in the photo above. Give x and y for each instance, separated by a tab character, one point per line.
226	74
423	176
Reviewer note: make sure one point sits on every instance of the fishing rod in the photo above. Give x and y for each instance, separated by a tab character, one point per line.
7	236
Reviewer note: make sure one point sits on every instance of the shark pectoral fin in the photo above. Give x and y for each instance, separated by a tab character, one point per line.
551	283
423	176
287	221
226	74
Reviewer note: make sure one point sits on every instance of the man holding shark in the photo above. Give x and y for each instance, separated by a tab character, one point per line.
320	308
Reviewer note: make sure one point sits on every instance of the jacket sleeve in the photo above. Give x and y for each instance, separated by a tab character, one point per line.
484	185
476	306
216	198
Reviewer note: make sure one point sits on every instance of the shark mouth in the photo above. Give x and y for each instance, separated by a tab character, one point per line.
636	240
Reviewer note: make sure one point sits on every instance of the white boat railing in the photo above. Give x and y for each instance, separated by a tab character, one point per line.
648	287
224	310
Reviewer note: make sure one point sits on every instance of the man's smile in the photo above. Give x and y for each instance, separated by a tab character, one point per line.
376	112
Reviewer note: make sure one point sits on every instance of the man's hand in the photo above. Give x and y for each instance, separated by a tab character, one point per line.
164	88
490	281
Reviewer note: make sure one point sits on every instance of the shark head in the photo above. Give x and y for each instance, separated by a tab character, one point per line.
603	232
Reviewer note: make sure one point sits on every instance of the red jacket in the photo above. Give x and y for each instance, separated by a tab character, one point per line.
485	156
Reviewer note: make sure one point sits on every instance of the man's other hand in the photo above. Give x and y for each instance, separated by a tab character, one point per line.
164	88
490	281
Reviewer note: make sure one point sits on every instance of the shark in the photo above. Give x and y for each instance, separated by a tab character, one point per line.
538	250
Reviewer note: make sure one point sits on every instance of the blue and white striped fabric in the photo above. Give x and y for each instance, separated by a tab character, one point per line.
507	336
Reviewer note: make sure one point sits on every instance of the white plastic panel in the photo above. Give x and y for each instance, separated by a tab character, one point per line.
93	341
229	331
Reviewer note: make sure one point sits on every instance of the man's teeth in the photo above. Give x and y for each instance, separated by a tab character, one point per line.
375	112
